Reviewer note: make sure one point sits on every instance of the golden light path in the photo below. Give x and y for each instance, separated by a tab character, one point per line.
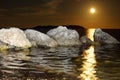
90	33
88	67
89	61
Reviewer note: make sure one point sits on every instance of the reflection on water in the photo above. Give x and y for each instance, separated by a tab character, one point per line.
88	66
13	59
90	33
39	63
61	63
89	60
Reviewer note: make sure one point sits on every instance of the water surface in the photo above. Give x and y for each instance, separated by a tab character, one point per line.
62	63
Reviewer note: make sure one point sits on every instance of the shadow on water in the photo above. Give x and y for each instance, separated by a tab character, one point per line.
62	63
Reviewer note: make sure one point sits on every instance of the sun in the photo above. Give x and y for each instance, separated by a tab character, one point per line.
92	10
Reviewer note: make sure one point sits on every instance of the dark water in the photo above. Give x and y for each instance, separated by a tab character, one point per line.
61	63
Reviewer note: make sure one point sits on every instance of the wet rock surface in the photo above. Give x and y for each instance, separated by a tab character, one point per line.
104	38
14	37
64	36
85	41
40	39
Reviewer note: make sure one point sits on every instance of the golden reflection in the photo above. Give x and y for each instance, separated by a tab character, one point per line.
90	34
88	67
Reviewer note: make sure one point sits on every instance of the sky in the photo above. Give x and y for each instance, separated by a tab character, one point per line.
30	13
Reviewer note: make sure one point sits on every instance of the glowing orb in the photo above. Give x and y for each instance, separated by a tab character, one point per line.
92	10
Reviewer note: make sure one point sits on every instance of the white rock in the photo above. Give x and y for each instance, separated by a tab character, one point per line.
15	37
40	39
104	38
64	36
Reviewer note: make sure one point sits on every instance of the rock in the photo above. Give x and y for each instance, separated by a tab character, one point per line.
5	46
85	41
46	28
64	36
14	37
104	38
2	43
40	39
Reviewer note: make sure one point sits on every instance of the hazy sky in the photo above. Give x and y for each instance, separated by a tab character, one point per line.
28	13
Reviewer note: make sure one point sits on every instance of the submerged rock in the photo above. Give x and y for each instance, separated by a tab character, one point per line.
14	37
85	40
40	39
64	36
4	46
104	38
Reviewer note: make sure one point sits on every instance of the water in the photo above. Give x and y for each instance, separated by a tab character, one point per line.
62	63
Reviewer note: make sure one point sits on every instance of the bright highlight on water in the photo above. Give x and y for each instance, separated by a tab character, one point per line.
89	60
88	66
90	34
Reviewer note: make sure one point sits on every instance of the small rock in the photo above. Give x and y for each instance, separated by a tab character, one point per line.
86	41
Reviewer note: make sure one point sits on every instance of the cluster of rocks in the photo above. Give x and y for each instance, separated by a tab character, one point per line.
60	36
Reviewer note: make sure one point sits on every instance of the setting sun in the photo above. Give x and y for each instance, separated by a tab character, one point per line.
92	10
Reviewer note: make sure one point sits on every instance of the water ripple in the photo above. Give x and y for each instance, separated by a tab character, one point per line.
61	63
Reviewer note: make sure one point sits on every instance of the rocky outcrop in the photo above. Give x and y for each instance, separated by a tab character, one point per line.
85	40
64	36
40	39
14	37
104	38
